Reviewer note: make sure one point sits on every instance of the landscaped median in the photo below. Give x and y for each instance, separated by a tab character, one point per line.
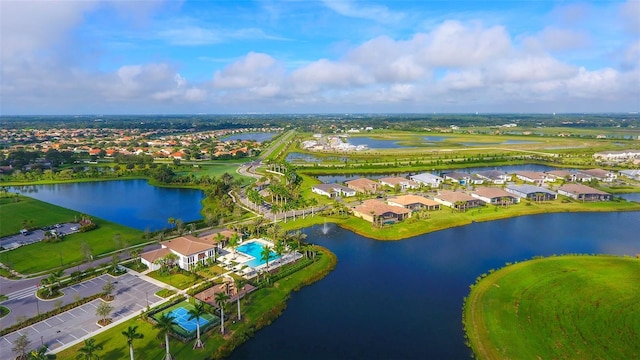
566	307
259	309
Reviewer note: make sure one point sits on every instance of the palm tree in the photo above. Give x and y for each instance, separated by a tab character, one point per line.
240	283
234	240
279	249
171	221
39	354
164	325
132	334
87	352
221	300
196	313
265	254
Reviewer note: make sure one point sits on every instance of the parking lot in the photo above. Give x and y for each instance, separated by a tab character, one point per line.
132	294
14	241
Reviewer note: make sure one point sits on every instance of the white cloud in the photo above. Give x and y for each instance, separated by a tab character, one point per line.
453	44
358	10
556	39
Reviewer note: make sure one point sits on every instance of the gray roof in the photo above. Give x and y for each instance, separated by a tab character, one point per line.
529	189
425	177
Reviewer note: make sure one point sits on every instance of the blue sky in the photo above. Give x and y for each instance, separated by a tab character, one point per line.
333	56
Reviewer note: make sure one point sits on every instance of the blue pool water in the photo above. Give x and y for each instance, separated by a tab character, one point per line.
254	249
181	317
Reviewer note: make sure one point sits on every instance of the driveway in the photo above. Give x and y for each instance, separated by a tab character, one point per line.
131	295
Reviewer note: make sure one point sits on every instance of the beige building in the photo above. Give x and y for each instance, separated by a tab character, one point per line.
376	211
414	202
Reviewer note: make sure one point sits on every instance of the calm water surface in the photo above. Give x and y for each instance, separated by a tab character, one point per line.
403	299
255	136
133	203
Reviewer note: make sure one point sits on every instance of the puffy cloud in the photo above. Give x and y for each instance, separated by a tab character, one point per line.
556	39
453	44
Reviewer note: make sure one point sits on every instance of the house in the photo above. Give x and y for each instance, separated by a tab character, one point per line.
456	199
427	179
456	176
632	174
402	183
618	156
376	211
532	192
562	175
584	193
189	249
363	185
533	176
494	176
494	196
414	202
600	175
333	190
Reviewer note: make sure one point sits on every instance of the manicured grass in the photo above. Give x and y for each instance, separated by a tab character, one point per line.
4	311
39	213
165	293
43	256
258	309
569	307
180	280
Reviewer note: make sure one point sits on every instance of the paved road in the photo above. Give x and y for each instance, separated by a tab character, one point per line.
131	294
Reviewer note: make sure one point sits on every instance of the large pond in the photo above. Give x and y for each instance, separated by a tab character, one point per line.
255	136
403	299
427	140
337	178
133	203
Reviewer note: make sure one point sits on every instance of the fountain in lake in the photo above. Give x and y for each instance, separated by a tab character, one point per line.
325	228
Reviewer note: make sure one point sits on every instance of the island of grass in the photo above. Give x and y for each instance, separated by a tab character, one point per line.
567	307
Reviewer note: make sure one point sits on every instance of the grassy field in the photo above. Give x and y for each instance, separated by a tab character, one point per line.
38	213
180	280
569	307
256	307
43	256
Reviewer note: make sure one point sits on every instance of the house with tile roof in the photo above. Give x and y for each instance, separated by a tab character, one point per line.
394	181
414	202
531	192
190	250
427	179
584	193
376	211
363	185
456	200
494	196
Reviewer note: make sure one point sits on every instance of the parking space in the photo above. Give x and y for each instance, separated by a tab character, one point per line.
30	237
132	294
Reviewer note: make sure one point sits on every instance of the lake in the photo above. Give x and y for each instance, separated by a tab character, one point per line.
133	203
403	299
429	140
338	178
302	157
255	136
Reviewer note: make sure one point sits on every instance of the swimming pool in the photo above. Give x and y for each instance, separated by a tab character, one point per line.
254	249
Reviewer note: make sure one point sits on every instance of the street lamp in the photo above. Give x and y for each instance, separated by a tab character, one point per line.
146	293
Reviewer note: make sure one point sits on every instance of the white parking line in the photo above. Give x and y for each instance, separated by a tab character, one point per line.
73	336
49	325
34	329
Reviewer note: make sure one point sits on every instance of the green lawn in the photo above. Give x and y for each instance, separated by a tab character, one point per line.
43	256
180	280
257	309
38	213
569	307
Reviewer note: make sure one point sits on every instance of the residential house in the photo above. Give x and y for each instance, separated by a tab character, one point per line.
584	193
189	249
363	185
456	176
494	176
533	176
333	190
456	199
618	156
632	174
600	175
402	183
414	202
562	175
427	179
531	192
495	196
376	211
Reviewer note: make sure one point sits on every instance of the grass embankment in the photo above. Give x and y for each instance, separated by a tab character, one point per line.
43	256
445	218
259	309
569	307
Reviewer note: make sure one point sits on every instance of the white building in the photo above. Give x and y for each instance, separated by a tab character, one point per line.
427	179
